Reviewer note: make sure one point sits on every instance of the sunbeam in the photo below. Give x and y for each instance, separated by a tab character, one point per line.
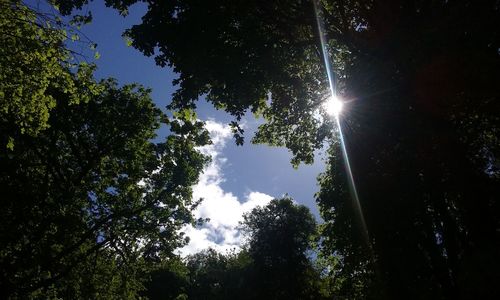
333	107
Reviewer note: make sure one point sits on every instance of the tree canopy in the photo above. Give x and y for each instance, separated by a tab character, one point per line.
421	122
421	128
274	264
280	238
33	59
89	202
92	185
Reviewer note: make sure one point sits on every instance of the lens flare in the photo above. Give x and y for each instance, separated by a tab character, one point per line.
333	106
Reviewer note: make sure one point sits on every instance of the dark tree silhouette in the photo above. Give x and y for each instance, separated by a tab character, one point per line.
274	263
421	124
88	201
280	238
92	189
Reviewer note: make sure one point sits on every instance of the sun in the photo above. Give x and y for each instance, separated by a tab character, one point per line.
333	106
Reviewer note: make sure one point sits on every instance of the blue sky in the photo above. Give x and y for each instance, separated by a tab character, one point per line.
240	176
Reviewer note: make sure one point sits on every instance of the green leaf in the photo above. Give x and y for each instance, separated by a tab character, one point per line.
10	143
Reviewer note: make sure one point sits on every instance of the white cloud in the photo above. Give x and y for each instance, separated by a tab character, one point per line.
223	208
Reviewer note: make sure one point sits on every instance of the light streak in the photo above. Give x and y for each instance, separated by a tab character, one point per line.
347	164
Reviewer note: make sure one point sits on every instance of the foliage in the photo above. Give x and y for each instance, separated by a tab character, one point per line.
274	263
343	248
33	60
280	238
204	275
218	276
89	203
280	232
278	71
170	280
421	125
92	192
420	159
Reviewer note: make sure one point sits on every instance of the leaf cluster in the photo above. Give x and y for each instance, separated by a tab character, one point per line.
33	60
91	194
274	263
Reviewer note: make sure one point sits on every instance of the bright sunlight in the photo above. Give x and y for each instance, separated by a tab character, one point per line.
333	106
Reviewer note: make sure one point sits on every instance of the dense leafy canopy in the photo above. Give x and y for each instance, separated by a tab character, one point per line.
218	276
89	203
261	56
422	136
93	187
273	265
344	246
421	128
33	60
280	238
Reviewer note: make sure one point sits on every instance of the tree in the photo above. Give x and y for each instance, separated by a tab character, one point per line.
216	275
204	275
421	126
92	192
421	160
170	280
343	245
89	202
33	59
280	238
274	263
272	43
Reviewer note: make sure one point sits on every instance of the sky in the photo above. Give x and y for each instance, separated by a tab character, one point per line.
239	177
